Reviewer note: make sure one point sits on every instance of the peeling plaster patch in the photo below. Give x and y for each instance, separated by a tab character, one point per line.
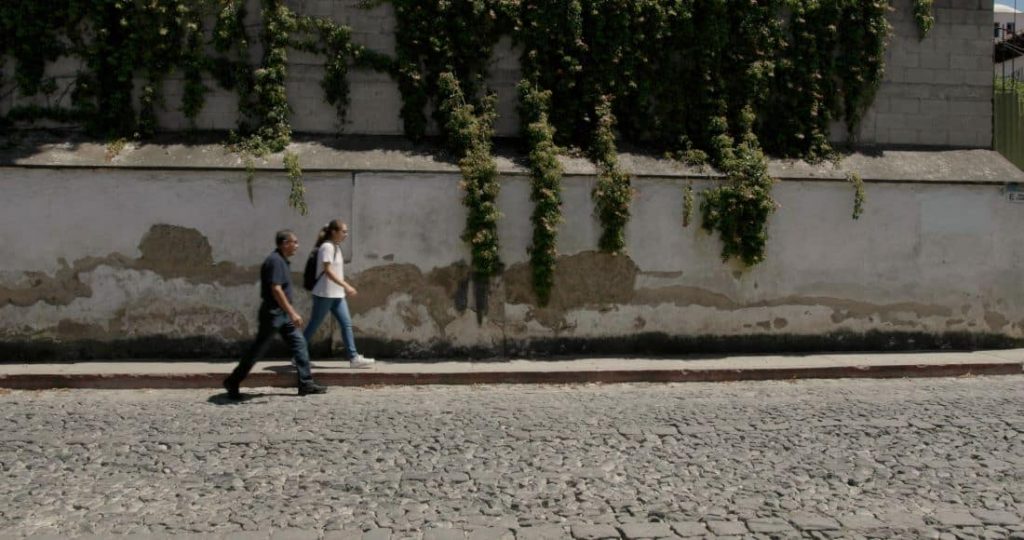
996	321
398	317
127	303
682	295
70	329
583	279
887	313
167	250
667	275
409	315
436	291
162	319
587	279
465	331
58	290
174	252
842	309
592	281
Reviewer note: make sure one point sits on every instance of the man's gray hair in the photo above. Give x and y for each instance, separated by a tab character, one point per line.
282	236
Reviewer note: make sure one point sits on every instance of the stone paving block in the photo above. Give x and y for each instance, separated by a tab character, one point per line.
860	522
594	532
688	529
542	532
294	534
47	535
954	518
727	528
901	520
141	536
491	533
807	521
377	534
996	517
438	533
343	534
638	531
769	525
246	535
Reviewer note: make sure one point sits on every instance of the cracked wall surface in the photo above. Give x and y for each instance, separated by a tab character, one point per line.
166	263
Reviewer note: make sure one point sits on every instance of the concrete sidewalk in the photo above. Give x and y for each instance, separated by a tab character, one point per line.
175	374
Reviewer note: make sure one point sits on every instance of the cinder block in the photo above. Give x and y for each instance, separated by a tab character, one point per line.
936	61
897	136
970	31
932	137
904	59
895	74
962	62
905	105
970	108
920	75
946	16
963	138
893	120
934	106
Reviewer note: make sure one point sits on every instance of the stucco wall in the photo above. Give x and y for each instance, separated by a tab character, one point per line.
116	262
937	91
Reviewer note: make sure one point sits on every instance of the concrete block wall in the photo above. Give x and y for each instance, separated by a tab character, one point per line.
937	91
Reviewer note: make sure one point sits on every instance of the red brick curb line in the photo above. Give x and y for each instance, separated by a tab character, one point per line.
371	378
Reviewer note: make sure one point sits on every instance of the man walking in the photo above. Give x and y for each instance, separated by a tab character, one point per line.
277	315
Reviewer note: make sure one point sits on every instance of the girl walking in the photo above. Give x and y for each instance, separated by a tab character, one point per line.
331	289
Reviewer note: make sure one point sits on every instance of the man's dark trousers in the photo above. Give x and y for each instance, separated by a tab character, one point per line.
274	319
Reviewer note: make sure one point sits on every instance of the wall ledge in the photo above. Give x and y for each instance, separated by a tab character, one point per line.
379	154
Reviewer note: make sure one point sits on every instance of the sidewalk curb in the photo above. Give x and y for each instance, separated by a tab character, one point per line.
28	381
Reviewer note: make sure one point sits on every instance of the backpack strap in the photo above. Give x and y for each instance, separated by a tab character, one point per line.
333	257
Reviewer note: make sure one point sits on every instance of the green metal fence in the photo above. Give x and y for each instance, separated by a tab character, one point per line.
1009	120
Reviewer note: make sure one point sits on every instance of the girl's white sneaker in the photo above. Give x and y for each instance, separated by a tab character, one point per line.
361	361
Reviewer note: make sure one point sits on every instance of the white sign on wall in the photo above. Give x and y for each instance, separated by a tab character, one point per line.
1014	193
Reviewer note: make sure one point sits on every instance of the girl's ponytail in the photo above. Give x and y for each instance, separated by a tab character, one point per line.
323	235
325	231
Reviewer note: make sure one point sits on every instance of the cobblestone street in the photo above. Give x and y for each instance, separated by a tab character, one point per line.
928	458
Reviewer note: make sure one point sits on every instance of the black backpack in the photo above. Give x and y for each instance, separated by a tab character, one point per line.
309	276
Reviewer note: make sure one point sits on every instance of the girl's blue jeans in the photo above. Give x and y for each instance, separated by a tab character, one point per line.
339	308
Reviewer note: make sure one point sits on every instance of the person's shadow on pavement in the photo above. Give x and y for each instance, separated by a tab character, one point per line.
224	399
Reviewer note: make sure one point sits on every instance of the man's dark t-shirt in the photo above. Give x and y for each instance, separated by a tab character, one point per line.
276	270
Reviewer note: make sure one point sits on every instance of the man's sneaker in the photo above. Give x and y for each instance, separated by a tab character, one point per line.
232	388
312	388
361	361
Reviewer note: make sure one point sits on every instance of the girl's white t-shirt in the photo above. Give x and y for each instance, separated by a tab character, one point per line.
326	287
